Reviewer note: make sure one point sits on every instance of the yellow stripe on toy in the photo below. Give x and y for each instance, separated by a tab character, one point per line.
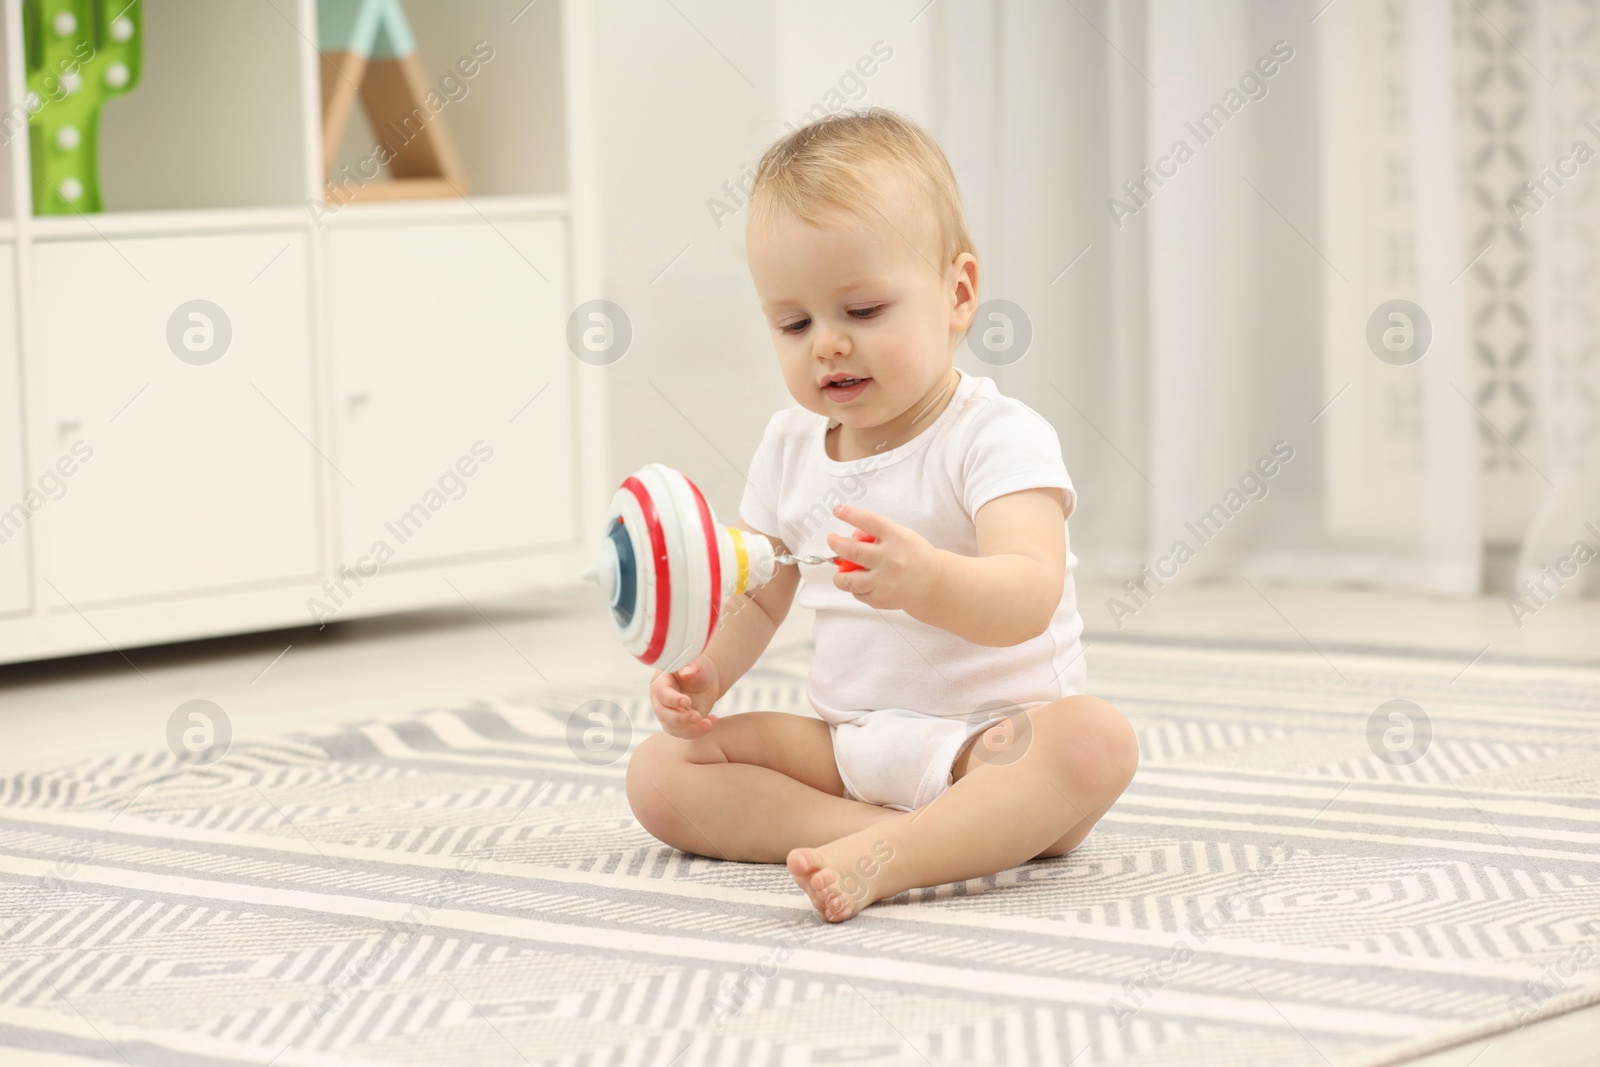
739	553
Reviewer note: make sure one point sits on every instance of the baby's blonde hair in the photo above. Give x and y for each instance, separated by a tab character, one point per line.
827	167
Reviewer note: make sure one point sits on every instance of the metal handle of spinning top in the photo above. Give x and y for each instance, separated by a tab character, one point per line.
844	564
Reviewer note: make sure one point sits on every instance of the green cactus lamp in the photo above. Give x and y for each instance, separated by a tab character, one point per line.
80	53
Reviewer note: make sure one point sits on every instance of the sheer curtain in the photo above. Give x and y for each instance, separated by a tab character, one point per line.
1563	235
1305	346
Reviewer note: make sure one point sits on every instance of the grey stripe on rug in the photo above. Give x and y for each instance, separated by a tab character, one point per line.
1294	877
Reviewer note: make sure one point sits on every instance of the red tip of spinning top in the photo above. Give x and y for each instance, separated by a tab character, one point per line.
852	565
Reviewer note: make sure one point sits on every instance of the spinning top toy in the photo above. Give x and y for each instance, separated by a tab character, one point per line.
667	567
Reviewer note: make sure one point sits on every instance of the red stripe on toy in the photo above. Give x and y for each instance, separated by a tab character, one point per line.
658	549
709	525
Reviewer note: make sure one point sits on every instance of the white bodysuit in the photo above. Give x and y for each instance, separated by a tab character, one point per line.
901	697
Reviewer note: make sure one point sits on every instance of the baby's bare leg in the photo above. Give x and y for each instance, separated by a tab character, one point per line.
1037	792
757	786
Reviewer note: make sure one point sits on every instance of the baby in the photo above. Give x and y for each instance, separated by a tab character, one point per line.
955	738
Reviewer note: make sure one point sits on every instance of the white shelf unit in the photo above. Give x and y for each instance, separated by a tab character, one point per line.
396	422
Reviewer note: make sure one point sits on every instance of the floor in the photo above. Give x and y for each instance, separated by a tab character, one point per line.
66	710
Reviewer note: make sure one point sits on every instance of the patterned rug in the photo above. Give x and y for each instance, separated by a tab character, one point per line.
1303	872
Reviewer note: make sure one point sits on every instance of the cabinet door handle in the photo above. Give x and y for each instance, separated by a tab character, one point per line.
66	428
357	399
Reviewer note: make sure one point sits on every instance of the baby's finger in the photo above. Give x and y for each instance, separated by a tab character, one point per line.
690	726
869	522
852	550
856	582
696	681
675	720
668	693
693	679
684	714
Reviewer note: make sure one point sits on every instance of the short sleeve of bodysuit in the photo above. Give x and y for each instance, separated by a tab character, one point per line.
1010	447
759	507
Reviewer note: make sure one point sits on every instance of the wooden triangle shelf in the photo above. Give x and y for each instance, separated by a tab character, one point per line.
368	50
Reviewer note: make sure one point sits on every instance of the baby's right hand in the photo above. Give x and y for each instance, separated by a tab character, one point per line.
682	699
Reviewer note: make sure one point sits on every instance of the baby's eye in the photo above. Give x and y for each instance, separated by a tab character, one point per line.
799	327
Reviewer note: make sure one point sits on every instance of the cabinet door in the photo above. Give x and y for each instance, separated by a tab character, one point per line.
185	364
17	505
443	336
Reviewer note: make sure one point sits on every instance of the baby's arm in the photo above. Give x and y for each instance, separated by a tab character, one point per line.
1003	596
743	633
1008	593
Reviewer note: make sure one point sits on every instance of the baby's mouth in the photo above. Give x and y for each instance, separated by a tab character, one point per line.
845	385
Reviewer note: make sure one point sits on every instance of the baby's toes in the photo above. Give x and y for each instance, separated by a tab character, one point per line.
809	873
821	884
826	895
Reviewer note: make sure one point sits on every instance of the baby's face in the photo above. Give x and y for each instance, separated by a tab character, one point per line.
858	298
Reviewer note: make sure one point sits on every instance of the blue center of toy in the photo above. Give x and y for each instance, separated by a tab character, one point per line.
623	603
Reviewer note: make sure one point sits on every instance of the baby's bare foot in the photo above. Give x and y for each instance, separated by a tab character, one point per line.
813	873
841	879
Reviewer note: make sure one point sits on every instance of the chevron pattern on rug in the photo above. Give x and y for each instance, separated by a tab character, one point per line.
456	885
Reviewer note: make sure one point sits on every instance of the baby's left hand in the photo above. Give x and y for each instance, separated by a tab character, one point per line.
899	570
